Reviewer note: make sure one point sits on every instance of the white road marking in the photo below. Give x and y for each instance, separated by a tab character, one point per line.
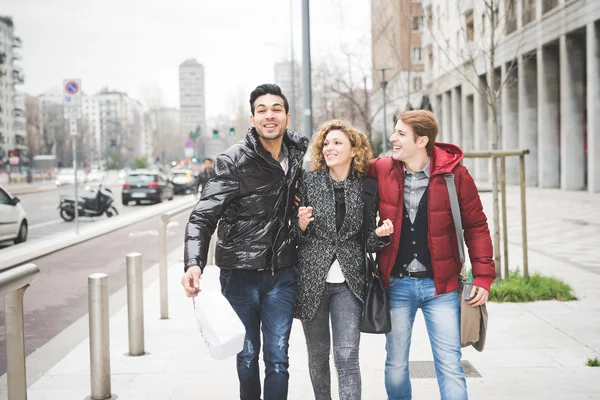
47	223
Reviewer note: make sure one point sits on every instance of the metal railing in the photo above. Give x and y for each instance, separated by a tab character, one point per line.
502	154
13	283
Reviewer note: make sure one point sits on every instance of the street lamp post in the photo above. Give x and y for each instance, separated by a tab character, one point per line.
384	134
306	71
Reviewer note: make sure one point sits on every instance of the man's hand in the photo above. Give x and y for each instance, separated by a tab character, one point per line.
297	201
478	296
386	229
305	217
191	281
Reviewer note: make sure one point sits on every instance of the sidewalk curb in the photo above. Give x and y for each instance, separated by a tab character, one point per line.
44	358
22	253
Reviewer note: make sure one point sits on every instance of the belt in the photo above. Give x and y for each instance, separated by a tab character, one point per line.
416	275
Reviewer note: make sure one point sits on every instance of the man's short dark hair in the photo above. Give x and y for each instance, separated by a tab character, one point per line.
268	88
208	159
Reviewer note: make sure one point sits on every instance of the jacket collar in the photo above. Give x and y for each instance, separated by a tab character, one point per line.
295	143
444	158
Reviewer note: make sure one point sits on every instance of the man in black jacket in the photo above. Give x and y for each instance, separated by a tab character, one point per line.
252	198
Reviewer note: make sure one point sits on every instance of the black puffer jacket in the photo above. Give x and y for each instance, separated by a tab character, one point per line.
254	202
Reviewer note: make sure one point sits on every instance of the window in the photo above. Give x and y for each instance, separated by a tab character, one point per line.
416	54
417	83
417	22
470	28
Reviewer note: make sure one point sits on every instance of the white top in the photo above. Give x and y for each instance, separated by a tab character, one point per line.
335	274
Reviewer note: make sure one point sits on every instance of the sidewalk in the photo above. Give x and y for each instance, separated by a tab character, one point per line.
534	350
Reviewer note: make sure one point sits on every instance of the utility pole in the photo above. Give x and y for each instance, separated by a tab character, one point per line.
306	71
293	68
384	134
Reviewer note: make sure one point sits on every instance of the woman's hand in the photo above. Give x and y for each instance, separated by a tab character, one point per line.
386	229
305	217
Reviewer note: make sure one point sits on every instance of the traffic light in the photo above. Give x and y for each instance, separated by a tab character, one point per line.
215	134
194	160
232	131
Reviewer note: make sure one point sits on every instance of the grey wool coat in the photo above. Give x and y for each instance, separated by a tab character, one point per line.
320	242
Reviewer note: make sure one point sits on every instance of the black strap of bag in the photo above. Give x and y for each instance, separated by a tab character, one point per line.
376	316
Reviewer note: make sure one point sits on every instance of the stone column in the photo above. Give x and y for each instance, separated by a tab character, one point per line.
528	128
510	118
468	128
548	87
456	107
593	106
572	103
481	134
445	135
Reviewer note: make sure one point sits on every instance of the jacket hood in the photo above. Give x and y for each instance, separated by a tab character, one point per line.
445	157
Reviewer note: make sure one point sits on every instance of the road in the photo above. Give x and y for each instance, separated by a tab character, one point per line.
58	296
43	216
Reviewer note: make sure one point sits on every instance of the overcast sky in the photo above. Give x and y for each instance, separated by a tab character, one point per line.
129	44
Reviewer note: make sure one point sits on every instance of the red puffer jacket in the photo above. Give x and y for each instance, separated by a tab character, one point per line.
442	240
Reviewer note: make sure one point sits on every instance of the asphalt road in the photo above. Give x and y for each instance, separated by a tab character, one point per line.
58	296
43	214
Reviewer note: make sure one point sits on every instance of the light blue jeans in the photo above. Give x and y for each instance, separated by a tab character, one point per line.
442	318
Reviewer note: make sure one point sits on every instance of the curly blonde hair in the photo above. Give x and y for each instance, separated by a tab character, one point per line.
358	140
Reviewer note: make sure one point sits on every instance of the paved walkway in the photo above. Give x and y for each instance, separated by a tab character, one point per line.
534	350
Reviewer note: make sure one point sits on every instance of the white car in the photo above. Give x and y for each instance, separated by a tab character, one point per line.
96	175
66	176
13	221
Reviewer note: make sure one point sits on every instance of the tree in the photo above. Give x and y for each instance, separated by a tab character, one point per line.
140	162
475	63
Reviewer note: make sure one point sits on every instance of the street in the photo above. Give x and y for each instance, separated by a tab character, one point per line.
58	296
43	214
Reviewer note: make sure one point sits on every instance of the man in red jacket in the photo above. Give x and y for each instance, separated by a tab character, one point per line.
421	265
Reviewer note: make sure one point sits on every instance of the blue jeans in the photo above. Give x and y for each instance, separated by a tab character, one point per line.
260	298
442	318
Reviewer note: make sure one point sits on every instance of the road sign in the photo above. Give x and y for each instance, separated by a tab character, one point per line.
188	152
189	144
72	98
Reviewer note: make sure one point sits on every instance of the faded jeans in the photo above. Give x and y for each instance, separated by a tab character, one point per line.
442	318
345	310
266	301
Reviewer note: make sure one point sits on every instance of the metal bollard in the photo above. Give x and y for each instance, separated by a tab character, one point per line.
162	266
15	345
135	304
99	337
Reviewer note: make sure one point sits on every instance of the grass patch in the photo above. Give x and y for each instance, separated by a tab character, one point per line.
593	362
517	289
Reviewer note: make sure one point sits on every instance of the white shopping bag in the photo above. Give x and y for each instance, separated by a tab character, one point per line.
222	329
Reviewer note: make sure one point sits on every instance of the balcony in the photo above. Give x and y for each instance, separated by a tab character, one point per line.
548	5
20	140
18	78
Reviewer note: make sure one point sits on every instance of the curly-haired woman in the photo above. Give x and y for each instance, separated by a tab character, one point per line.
331	267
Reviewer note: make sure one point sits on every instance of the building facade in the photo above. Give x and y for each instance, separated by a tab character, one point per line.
546	76
288	77
398	61
192	102
13	146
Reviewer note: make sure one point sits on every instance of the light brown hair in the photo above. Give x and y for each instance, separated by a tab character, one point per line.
423	123
358	141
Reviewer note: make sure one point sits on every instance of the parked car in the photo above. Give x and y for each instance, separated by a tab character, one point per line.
66	176
183	180
13	220
145	185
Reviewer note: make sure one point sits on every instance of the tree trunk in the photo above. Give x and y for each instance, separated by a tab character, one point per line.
495	191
